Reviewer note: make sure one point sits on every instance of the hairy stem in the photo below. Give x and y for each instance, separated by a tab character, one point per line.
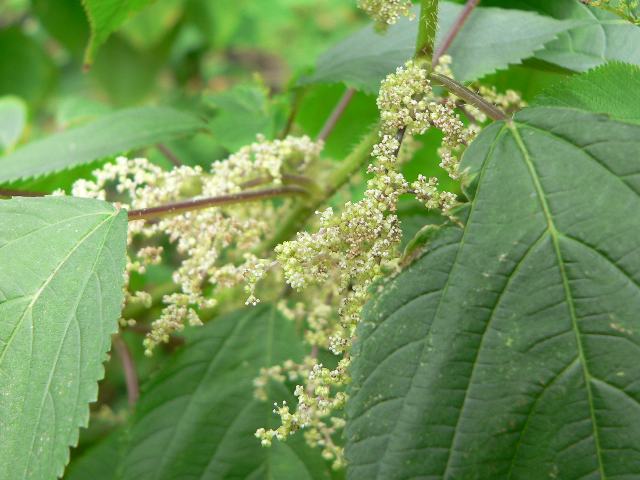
427	28
337	112
455	29
129	368
202	203
469	96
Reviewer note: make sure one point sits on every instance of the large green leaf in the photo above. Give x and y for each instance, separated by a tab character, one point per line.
601	37
197	417
105	16
510	348
100	462
599	90
598	37
61	273
108	135
491	39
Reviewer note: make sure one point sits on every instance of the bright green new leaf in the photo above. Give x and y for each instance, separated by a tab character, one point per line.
13	118
613	88
492	38
510	349
105	16
108	135
198	416
61	273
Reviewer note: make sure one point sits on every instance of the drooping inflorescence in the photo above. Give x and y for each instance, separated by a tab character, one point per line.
215	244
350	250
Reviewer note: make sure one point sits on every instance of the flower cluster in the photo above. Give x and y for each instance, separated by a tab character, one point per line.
209	241
350	250
386	12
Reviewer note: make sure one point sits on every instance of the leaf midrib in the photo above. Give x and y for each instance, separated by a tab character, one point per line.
554	234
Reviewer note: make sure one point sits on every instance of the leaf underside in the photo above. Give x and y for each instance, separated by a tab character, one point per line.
510	348
61	273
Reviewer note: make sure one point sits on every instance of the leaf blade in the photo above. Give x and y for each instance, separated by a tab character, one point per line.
365	58
215	374
503	337
62	265
108	135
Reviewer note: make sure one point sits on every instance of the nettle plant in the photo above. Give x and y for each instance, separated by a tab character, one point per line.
493	334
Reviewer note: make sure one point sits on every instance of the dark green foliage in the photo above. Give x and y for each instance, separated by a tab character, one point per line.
508	349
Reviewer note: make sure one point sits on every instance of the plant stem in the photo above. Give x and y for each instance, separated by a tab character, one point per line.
303	211
427	28
455	29
202	203
297	100
169	155
4	192
129	368
362	152
337	112
469	96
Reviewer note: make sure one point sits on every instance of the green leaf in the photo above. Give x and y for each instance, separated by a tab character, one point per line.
602	37
105	16
25	68
197	417
99	462
242	113
492	38
13	118
510	348
61	273
613	88
108	135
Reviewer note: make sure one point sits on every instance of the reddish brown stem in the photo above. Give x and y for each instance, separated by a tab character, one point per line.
337	112
6	192
202	203
455	29
129	368
169	155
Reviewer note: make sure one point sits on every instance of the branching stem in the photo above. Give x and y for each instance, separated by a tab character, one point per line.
303	211
202	203
7	192
337	112
469	96
455	29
